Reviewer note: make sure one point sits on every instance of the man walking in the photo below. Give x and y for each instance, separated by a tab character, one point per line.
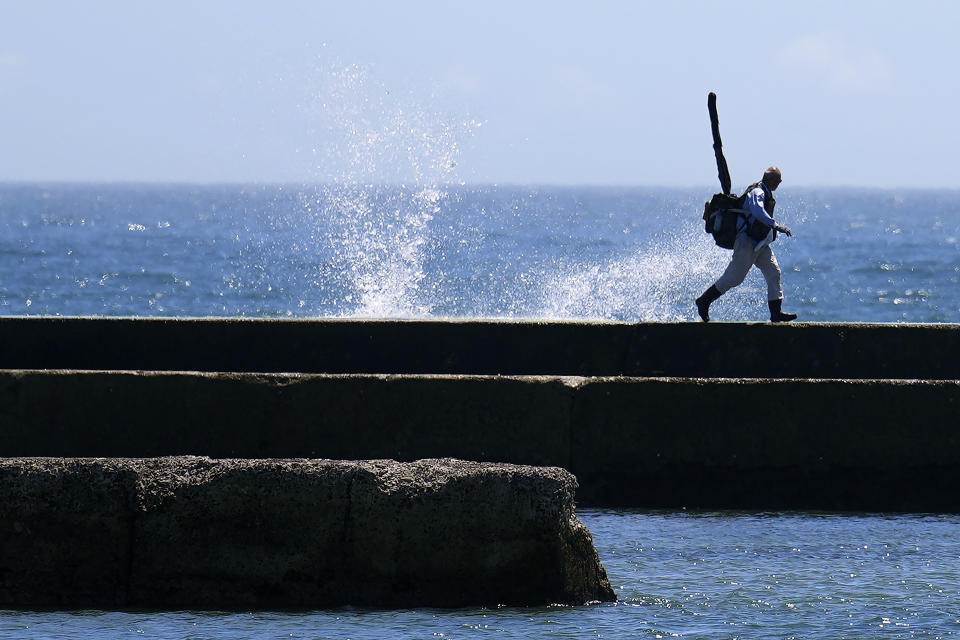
756	232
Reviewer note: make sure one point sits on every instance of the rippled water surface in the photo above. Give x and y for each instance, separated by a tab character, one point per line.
622	254
676	574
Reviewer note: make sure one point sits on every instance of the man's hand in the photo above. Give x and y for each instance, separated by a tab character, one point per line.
784	229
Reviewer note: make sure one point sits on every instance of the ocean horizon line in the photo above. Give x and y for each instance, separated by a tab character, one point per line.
453	185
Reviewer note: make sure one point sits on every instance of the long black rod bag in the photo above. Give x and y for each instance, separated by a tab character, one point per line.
723	213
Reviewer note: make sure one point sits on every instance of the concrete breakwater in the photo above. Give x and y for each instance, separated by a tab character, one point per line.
484	347
190	532
648	442
851	417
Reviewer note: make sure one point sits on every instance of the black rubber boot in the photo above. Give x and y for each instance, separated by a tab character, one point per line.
703	302
777	315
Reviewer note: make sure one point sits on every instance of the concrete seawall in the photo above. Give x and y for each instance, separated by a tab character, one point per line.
690	349
651	442
252	534
855	417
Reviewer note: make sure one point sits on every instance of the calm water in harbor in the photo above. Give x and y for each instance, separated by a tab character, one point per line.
676	574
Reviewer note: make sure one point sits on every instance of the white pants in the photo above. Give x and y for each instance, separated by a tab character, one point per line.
744	257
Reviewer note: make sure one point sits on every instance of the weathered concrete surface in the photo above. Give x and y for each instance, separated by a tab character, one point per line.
864	445
228	534
352	417
727	350
65	532
643	442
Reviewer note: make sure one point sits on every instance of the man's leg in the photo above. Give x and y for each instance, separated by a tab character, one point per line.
767	263
733	275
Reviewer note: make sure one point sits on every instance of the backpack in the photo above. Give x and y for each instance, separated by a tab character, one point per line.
722	216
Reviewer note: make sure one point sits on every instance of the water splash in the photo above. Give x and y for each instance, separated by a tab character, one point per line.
386	162
378	240
652	283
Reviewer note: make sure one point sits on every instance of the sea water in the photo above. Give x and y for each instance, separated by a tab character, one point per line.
457	251
676	575
429	250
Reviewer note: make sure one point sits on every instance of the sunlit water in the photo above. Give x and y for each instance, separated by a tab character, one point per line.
686	575
619	254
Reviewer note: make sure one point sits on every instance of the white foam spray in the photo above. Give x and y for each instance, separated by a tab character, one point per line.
385	161
651	284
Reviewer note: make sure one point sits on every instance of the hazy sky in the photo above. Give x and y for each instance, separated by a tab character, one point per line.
598	92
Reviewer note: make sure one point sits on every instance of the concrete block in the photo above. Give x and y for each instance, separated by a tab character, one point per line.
192	532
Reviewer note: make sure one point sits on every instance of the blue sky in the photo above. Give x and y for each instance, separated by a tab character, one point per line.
835	93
